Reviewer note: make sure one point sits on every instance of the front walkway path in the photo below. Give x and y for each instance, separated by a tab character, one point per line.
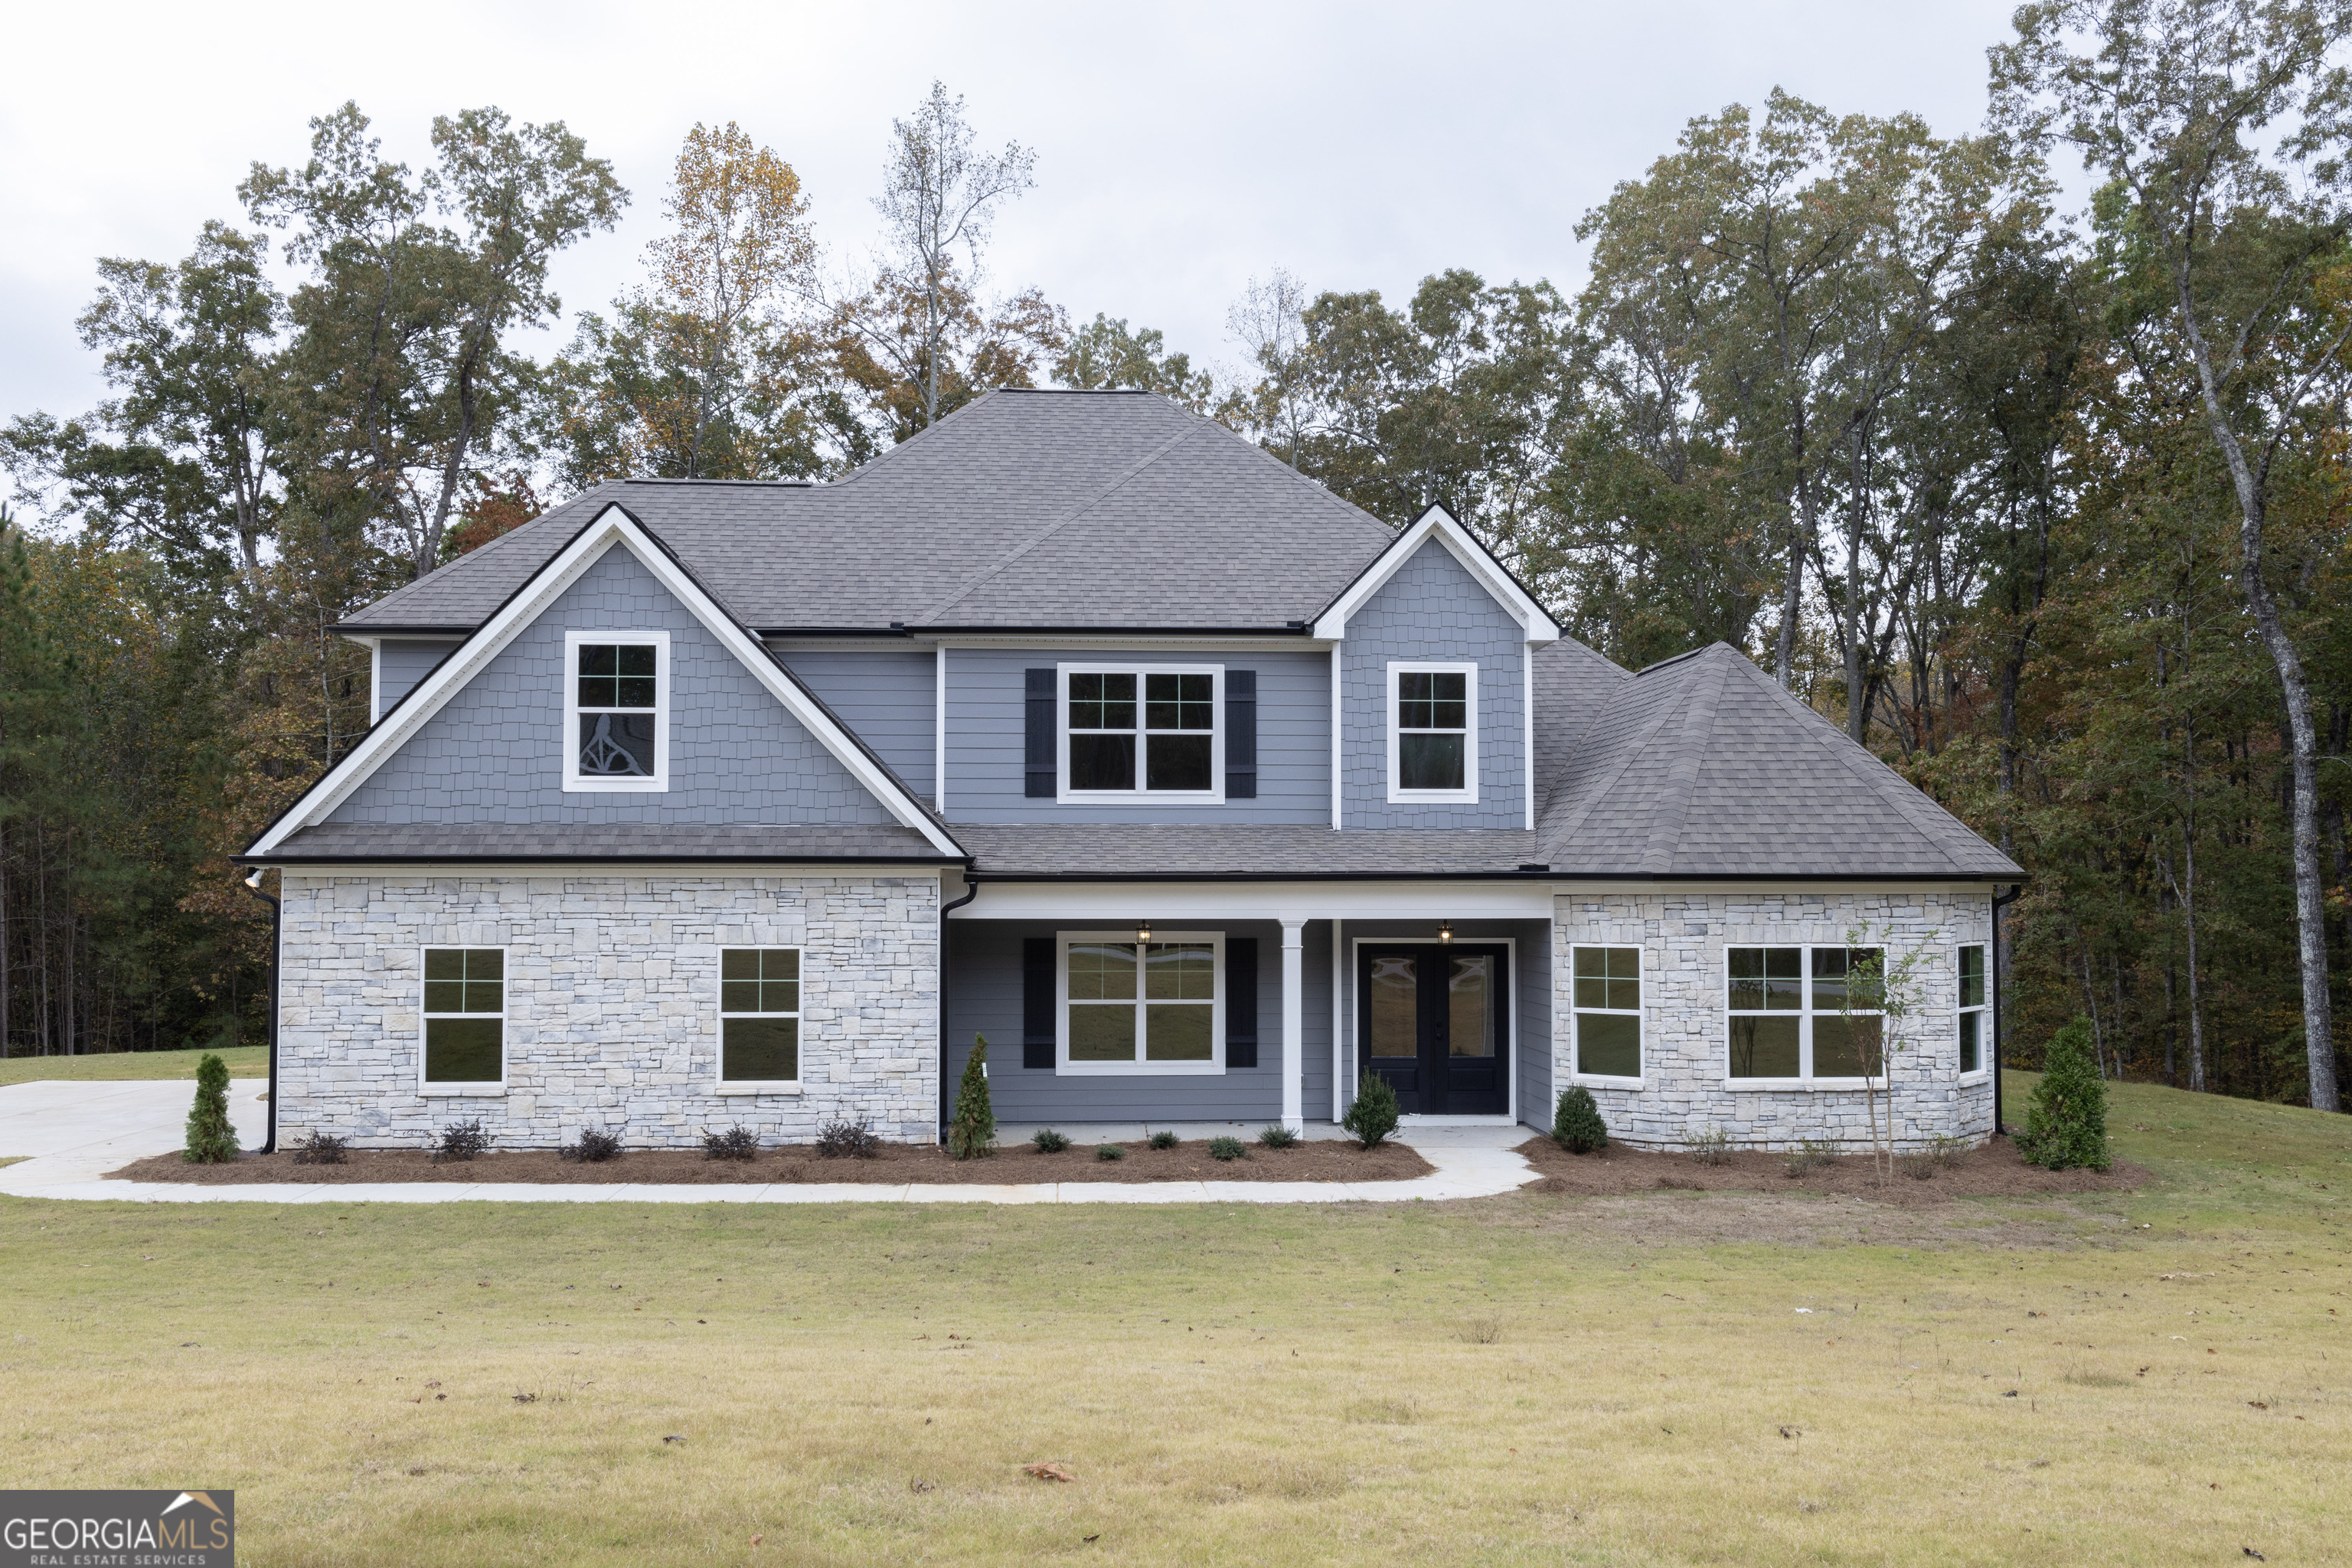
76	1132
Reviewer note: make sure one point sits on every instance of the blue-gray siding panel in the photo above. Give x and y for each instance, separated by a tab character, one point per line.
494	753
886	696
402	662
1434	609
986	726
984	999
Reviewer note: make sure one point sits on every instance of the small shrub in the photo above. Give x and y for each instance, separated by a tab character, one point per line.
1946	1150
847	1140
595	1147
1374	1116
737	1143
1712	1147
1919	1167
1109	1152
1575	1125
320	1149
971	1133
461	1141
1276	1136
1164	1139
1049	1141
212	1140
1227	1148
2067	1123
1811	1154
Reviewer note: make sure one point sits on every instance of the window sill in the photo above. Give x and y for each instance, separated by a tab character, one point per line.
778	1088
1141	797
1138	1069
1803	1085
1433	797
462	1091
1602	1080
1969	1080
615	786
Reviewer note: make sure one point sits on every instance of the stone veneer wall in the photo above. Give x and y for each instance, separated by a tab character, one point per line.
1684	1092
612	1003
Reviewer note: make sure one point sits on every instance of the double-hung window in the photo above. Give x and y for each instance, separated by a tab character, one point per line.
1141	733
465	1020
1432	732
616	710
1131	1007
1803	1013
759	1019
1608	996
1973	1028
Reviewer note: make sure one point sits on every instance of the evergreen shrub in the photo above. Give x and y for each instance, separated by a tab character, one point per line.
738	1142
1227	1148
2067	1125
212	1141
1374	1114
461	1141
971	1133
1164	1139
1049	1141
1576	1124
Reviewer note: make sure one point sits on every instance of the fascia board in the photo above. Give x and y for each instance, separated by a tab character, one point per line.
1537	621
612	526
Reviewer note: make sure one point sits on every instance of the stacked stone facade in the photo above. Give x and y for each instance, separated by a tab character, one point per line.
1686	1090
612	1003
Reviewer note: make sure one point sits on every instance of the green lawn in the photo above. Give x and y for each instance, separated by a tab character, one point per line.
2131	1378
243	1061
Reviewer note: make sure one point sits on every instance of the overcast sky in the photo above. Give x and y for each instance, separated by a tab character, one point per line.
1180	148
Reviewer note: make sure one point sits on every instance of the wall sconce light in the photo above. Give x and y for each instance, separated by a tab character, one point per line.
1143	932
1445	930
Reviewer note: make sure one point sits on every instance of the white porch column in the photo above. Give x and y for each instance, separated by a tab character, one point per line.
1294	1024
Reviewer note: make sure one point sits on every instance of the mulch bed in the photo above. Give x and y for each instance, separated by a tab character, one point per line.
897	1163
1993	1171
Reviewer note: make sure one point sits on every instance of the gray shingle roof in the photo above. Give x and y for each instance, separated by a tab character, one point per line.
471	841
1108	849
1024	509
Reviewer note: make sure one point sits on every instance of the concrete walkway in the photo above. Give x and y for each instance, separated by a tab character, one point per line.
76	1133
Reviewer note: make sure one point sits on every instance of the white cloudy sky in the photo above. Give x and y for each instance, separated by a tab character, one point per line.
1180	148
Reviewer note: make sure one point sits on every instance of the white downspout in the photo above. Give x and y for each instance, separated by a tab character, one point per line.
1294	1024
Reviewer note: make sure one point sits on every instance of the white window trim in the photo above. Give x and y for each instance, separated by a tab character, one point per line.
486	1088
1983	1073
721	1082
1139	1067
1065	794
1639	1014
1468	794
664	675
1804	1026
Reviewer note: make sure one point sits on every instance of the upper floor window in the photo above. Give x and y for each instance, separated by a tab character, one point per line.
1142	732
1432	732
617	720
1972	1008
1803	1012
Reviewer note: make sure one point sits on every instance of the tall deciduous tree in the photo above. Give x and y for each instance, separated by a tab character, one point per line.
2225	123
1105	353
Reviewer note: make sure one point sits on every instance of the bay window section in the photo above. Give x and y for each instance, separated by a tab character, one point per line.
1972	1009
1142	1007
1799	1013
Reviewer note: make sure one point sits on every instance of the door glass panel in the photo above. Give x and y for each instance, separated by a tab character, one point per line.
1469	1005
1393	1009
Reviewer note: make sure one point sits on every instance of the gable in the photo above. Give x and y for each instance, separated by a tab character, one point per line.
1437	526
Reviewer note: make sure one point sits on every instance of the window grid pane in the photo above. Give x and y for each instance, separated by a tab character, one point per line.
759	981
1972	976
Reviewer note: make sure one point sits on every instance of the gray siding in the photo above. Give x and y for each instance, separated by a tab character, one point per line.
402	662
494	751
1535	999
986	727
886	697
1434	609
984	999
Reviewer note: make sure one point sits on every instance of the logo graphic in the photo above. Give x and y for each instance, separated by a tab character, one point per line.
118	1528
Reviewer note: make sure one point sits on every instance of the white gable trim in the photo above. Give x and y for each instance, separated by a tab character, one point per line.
1438	523
612	527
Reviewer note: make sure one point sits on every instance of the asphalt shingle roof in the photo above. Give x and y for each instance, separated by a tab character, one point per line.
339	841
1112	509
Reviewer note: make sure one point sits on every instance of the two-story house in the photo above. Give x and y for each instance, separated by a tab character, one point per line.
1080	724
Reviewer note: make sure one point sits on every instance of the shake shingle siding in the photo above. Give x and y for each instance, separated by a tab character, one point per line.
1432	609
494	752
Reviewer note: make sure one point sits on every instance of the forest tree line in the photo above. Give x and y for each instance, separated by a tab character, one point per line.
2046	508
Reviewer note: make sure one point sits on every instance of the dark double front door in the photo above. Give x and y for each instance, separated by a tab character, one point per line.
1433	1019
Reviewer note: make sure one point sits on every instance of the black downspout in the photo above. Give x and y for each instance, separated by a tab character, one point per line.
973	884
276	921
2000	902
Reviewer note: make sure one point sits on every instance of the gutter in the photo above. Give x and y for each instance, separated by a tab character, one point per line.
2000	902
276	929
972	885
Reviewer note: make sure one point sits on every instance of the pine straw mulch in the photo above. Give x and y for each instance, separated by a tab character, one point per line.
895	1165
1993	1171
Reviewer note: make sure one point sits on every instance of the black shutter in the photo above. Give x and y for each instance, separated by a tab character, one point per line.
1037	1001
1037	755
1241	734
1241	1002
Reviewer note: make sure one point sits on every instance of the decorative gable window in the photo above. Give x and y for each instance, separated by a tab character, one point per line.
1800	1013
1972	1008
1131	1007
1141	734
616	723
1432	732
